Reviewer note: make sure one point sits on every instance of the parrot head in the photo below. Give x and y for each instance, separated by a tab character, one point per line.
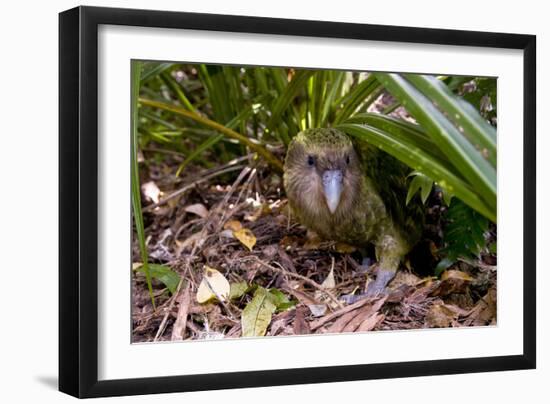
322	172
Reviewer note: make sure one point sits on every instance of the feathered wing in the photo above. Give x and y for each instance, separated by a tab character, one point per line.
389	175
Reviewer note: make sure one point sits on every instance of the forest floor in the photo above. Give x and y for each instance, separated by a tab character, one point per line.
232	222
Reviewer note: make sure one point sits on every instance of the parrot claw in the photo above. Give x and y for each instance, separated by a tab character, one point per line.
378	287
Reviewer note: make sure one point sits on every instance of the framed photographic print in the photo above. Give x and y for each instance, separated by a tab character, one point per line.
251	201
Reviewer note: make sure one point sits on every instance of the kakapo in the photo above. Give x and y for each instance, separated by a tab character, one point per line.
351	192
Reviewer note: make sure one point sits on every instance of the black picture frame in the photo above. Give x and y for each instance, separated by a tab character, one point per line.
78	200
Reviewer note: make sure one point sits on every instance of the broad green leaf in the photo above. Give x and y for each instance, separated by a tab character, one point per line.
257	314
237	289
164	274
464	232
280	300
419	182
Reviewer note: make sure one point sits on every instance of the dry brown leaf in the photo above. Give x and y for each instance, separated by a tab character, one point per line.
198	209
454	274
304	298
485	310
300	324
246	237
178	331
404	278
329	282
233	225
329	317
364	314
370	323
317	310
194	240
339	324
452	281
440	316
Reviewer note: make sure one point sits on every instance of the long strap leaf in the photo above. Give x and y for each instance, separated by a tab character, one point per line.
462	154
418	159
285	98
136	192
262	151
460	112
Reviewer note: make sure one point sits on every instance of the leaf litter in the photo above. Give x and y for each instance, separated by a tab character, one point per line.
248	269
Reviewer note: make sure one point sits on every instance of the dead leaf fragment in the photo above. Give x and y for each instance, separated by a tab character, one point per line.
246	237
198	209
151	191
370	323
454	274
213	285
300	324
485	310
178	331
329	282
364	314
440	316
452	281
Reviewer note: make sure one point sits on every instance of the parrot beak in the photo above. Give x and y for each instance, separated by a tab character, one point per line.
332	185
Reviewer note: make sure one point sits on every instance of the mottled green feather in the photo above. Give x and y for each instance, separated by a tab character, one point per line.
372	188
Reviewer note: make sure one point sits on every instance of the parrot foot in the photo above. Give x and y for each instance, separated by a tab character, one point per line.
378	287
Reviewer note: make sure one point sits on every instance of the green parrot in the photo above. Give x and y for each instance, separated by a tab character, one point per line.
351	192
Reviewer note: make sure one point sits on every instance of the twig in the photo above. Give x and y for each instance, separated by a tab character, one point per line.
178	332
303	278
329	317
162	325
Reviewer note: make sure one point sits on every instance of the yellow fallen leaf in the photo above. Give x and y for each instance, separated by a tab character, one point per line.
246	237
213	285
233	225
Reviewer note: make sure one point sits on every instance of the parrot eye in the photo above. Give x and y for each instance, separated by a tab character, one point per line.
310	161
